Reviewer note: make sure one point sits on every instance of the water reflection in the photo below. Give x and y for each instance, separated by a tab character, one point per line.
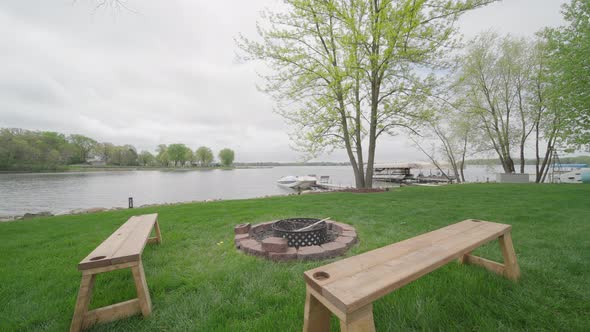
60	192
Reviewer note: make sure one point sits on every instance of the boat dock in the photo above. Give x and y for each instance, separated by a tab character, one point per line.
330	186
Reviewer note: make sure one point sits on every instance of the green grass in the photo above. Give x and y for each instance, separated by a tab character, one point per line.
198	285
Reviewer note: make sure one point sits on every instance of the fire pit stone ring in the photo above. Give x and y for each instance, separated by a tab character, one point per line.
296	239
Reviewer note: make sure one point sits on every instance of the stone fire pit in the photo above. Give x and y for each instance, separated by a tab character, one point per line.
270	242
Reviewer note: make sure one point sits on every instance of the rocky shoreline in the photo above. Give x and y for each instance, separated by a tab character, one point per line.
28	216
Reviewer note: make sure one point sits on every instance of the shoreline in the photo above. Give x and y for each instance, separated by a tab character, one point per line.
85	169
78	211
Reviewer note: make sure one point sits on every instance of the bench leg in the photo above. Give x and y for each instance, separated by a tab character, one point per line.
359	321
316	316
158	233
143	293
511	268
158	238
84	296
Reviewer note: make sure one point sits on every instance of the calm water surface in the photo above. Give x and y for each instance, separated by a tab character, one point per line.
61	192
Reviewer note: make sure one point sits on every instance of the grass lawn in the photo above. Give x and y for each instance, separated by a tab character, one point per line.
197	284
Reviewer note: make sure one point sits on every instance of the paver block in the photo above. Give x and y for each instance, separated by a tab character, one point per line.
346	240
343	227
248	243
348	233
274	244
252	247
242	228
288	255
334	248
239	238
311	252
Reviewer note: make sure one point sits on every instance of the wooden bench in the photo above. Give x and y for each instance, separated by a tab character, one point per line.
121	250
349	287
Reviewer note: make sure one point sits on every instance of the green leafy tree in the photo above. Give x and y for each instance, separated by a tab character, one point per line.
226	157
55	148
569	68
162	156
32	150
104	151
177	154
504	83
128	155
350	67
83	145
204	156
189	157
145	158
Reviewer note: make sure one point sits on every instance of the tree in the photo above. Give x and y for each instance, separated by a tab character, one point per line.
569	67
451	132
145	158
204	156
226	157
128	155
547	116
350	67
177	153
83	145
162	156
505	83
189	157
494	78
104	151
32	150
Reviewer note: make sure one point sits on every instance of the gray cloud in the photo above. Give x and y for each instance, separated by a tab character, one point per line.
167	72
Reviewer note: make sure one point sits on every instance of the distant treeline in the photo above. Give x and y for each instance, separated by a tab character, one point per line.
563	160
26	150
272	163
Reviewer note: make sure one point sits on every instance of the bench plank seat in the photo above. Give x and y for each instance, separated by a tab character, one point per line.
351	285
125	245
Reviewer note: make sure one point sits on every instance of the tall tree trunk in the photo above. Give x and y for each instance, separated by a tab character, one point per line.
375	77
548	156
355	167
464	152
358	136
549	160
522	160
537	158
372	136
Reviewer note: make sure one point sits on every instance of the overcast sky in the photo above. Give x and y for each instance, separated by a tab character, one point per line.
165	72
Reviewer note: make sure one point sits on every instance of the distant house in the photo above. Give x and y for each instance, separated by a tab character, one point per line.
96	161
198	164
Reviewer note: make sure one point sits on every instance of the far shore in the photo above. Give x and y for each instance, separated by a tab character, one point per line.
79	169
91	168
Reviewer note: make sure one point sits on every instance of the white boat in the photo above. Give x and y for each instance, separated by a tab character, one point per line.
297	182
581	175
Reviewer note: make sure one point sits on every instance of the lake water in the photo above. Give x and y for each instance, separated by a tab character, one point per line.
61	192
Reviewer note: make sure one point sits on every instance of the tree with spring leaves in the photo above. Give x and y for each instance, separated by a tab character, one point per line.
344	72
226	157
450	132
569	68
145	158
178	154
204	156
83	146
505	84
162	155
